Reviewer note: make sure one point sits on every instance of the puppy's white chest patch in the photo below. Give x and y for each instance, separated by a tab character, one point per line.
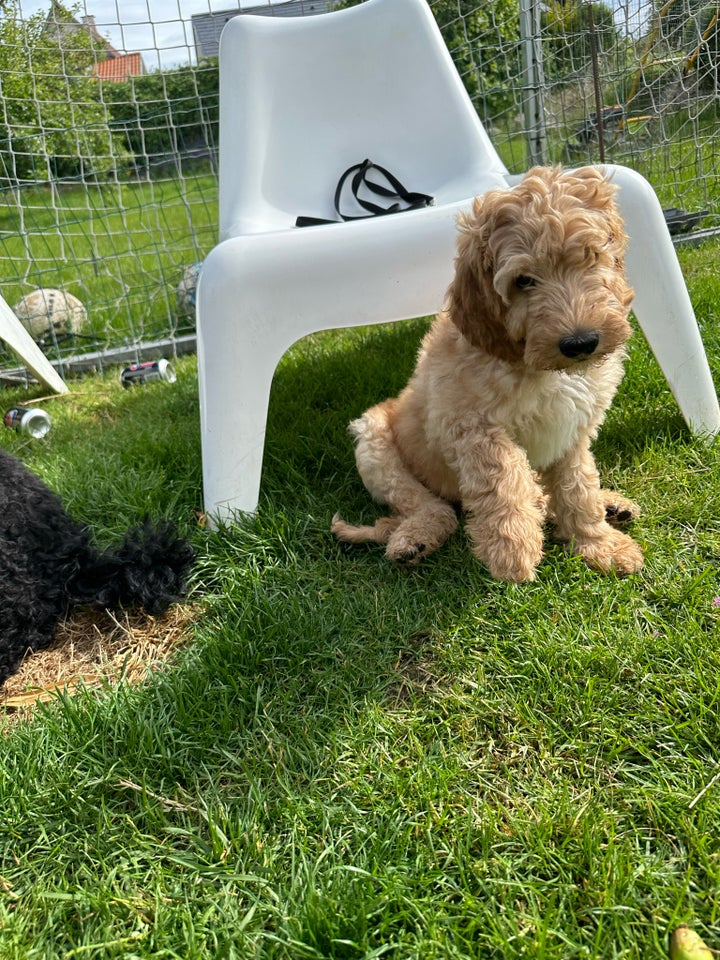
549	418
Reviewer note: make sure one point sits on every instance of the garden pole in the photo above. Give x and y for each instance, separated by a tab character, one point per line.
533	80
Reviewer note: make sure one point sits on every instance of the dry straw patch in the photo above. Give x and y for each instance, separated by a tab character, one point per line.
95	648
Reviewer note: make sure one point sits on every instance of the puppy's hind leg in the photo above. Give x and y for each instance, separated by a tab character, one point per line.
379	532
421	522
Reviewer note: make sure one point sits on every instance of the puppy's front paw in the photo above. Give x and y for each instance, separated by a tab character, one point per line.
515	566
512	549
511	559
614	552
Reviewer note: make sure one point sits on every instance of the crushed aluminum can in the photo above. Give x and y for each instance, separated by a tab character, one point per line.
29	420
141	373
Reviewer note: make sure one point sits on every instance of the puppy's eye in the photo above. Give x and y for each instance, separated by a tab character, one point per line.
524	283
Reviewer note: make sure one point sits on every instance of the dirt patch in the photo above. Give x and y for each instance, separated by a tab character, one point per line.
95	648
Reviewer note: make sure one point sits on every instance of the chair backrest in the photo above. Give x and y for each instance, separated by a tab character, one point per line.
303	98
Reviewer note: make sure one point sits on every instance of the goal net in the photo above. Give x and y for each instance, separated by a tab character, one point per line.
108	139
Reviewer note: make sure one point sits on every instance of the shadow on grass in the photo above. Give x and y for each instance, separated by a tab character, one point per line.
301	630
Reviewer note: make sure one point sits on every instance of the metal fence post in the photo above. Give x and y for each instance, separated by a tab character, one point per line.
533	80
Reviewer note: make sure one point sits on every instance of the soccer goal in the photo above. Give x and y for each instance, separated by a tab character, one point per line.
108	140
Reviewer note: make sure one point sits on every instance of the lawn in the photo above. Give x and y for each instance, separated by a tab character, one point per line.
678	154
352	761
121	248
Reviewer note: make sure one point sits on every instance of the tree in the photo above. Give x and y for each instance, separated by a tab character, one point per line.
690	28
52	122
672	19
483	40
165	113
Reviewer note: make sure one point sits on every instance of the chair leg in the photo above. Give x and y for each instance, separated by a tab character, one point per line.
235	374
233	438
662	304
20	341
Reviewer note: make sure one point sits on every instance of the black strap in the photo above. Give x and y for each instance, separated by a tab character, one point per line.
395	192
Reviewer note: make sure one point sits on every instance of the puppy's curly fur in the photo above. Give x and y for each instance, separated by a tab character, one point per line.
48	564
511	385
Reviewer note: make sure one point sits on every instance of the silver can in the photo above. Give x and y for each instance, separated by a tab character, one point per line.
29	420
140	373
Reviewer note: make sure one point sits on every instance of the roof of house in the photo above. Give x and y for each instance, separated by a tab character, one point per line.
119	68
207	27
60	24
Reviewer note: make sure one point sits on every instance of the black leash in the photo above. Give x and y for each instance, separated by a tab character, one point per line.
395	192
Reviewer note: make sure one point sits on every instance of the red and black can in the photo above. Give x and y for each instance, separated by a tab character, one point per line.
29	420
141	373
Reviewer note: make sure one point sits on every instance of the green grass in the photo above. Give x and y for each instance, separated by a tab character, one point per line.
676	151
121	248
350	761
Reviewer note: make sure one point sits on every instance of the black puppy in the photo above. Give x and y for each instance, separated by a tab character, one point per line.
48	564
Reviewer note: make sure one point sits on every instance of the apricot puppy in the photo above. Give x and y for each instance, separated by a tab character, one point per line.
511	385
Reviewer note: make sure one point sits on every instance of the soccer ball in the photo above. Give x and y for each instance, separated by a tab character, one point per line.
48	311
187	289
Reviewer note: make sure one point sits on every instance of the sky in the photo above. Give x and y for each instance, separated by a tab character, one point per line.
161	29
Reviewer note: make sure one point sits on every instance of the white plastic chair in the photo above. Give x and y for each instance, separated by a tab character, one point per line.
20	342
301	100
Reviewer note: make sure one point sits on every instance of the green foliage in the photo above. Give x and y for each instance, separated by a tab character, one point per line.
702	40
673	19
483	40
567	27
53	124
689	30
164	113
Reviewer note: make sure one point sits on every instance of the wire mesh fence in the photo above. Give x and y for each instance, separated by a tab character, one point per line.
108	139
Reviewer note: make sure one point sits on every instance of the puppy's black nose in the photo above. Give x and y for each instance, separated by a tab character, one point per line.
579	344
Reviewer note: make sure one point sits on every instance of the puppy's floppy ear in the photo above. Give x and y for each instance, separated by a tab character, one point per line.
473	304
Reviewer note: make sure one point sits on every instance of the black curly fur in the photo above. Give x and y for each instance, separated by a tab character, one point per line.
48	564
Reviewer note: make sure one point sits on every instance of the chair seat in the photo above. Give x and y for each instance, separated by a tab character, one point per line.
402	261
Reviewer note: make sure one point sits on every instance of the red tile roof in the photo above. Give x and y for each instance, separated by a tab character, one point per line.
117	69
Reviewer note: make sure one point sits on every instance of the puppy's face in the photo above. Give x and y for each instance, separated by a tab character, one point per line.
540	272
